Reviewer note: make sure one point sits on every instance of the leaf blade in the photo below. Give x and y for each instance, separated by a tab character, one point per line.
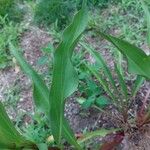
100	60
138	82
62	87
122	83
40	92
9	137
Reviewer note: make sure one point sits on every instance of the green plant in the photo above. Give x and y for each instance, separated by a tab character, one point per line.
92	4
60	11
54	11
4	6
38	130
10	137
9	32
91	94
12	9
147	15
129	27
121	97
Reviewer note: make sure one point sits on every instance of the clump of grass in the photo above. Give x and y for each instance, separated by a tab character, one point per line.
4	6
54	11
9	32
12	9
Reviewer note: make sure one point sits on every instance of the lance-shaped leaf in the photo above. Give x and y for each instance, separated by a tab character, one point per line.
122	82
40	91
10	138
135	55
65	80
101	61
138	82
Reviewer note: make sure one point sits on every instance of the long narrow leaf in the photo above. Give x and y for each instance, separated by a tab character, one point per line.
65	80
101	81
119	63
138	82
41	92
122	83
135	55
100	60
10	138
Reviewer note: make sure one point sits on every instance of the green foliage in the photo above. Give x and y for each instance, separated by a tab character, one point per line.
5	6
41	91
11	9
130	27
110	87
138	82
62	62
60	11
12	97
147	16
98	2
38	131
137	59
10	137
54	11
92	4
10	32
91	93
97	133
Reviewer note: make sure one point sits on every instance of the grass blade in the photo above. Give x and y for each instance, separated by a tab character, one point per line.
69	136
118	59
100	60
138	82
101	81
65	80
122	83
